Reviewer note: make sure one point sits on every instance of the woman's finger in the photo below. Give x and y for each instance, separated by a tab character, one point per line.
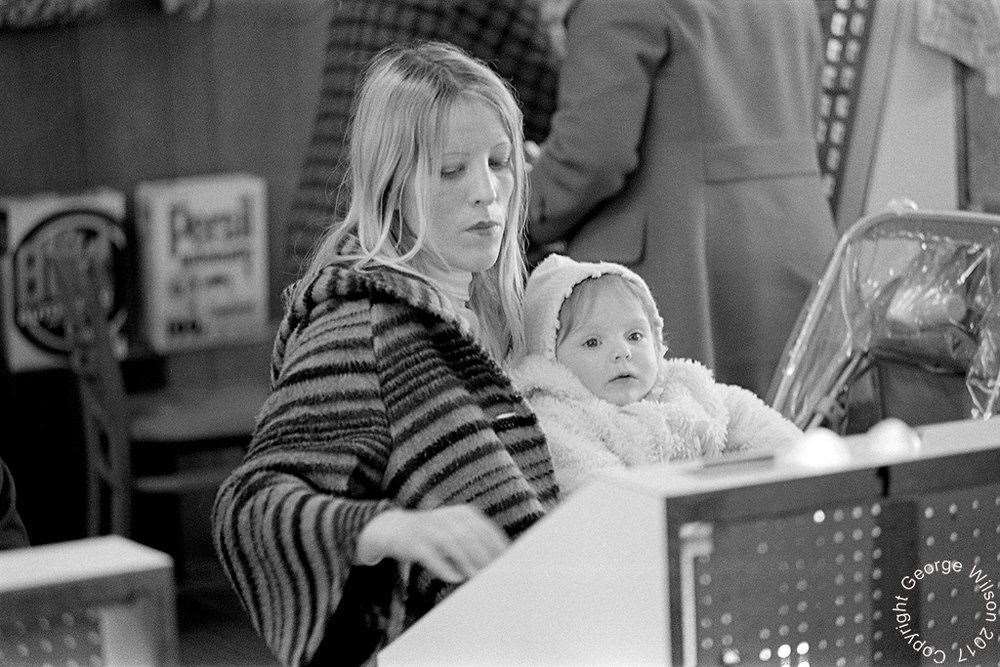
472	551
488	533
478	540
438	564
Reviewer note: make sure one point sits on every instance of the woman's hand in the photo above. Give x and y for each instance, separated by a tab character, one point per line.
452	542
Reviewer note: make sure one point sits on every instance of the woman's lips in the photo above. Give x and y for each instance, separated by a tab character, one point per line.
484	226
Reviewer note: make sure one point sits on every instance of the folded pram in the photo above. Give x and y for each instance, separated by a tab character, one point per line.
904	323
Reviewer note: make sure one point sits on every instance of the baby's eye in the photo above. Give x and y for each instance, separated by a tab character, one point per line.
591	342
636	336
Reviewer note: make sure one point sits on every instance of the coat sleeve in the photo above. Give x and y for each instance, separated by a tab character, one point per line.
753	424
576	454
614	50
286	521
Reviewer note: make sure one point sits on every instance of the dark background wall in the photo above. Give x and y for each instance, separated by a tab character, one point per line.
132	95
139	94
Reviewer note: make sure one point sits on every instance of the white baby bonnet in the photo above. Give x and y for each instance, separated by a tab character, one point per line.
551	283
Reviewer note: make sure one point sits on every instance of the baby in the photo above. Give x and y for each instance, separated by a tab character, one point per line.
595	375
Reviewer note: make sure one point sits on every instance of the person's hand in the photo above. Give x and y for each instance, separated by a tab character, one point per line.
452	542
531	153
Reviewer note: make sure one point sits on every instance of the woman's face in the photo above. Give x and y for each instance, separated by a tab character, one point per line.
467	204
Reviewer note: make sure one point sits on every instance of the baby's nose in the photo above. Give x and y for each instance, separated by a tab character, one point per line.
623	352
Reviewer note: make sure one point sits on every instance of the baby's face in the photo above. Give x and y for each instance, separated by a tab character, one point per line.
611	350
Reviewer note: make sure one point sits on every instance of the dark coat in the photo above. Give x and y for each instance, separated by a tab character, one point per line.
683	147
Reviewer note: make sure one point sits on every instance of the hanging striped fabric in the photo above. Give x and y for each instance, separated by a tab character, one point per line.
27	14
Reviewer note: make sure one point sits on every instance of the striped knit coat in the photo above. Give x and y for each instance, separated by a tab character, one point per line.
381	398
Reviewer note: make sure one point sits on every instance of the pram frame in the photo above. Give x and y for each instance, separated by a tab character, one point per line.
976	228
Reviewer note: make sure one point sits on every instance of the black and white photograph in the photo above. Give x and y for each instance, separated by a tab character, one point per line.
499	332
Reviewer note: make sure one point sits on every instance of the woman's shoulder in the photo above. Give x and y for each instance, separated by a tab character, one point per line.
341	300
344	325
341	281
333	303
320	294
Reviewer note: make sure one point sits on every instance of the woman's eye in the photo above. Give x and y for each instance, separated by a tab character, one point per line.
501	163
591	342
451	171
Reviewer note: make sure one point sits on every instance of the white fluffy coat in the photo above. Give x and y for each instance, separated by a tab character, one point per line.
687	415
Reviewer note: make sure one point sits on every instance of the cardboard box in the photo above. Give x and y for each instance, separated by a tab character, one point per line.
203	261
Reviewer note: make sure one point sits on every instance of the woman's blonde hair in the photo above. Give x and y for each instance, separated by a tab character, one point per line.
397	140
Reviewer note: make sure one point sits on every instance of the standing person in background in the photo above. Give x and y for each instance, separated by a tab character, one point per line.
393	456
683	147
507	34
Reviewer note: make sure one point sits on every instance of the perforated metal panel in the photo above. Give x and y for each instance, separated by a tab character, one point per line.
957	612
839	585
64	638
787	590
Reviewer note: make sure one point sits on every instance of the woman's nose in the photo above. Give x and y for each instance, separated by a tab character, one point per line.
484	186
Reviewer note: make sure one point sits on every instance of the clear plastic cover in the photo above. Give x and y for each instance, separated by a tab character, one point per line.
916	287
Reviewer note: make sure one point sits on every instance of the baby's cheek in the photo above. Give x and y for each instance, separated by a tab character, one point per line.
592	385
648	386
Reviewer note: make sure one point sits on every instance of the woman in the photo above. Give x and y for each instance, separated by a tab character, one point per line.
683	147
507	34
393	455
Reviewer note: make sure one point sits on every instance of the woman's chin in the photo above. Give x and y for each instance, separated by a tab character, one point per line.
476	261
